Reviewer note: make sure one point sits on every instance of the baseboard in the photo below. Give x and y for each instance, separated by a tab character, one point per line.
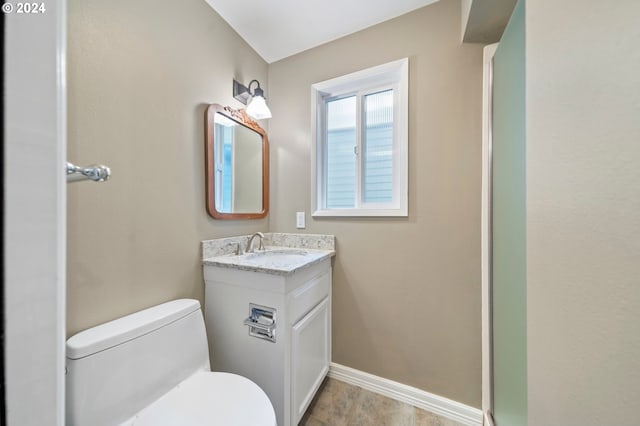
418	398
488	419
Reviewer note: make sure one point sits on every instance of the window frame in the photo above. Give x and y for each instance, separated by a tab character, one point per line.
393	75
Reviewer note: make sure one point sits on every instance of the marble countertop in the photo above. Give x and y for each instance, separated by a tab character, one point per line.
284	254
247	262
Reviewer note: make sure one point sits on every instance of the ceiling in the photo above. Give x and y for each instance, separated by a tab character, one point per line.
280	28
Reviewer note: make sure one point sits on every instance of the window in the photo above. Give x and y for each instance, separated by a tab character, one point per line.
359	156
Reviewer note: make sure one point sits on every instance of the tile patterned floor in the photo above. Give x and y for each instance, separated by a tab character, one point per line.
340	404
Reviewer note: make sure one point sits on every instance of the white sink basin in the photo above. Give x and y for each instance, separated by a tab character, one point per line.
280	256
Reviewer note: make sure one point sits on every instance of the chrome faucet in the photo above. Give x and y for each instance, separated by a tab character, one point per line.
249	248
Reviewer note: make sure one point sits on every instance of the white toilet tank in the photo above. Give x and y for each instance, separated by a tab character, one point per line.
117	368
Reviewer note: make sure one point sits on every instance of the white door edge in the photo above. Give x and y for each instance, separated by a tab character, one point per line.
487	368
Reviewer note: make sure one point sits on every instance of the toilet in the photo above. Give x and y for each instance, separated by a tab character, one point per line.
152	368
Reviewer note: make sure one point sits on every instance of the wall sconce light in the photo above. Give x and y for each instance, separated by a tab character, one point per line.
257	107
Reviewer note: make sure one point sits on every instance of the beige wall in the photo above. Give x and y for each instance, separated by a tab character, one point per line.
140	75
406	292
248	157
583	204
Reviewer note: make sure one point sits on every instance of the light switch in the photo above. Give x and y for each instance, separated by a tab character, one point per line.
300	220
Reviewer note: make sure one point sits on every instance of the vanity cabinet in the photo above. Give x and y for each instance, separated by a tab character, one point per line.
310	356
288	351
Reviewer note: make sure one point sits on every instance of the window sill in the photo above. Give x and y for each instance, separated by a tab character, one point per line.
361	213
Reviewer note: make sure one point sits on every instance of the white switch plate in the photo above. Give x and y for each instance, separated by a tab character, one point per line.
300	220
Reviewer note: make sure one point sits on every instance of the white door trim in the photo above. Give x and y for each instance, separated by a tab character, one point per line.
487	355
35	215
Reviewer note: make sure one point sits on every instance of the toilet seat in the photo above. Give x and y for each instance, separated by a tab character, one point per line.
209	399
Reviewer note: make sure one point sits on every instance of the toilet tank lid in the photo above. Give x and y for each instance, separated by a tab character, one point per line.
129	327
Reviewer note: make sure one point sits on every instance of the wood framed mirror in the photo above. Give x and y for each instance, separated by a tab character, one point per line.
237	165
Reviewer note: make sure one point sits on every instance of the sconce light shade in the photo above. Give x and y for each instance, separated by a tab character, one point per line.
257	108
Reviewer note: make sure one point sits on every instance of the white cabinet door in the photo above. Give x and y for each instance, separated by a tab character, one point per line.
310	356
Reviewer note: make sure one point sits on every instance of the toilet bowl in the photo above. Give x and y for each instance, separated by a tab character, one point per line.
152	368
